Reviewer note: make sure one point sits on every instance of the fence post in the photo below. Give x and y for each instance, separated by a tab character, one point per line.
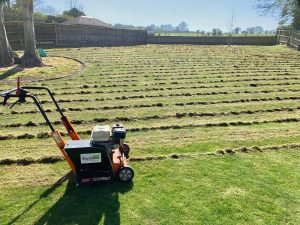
82	37
86	38
21	35
56	34
106	37
289	38
278	36
123	37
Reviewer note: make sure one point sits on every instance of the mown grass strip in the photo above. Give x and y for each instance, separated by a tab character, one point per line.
125	97
238	101
144	129
243	100
54	159
160	117
194	81
175	88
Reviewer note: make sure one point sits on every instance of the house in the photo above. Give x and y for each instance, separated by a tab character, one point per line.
86	20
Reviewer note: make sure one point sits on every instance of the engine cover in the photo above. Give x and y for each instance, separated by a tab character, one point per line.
101	133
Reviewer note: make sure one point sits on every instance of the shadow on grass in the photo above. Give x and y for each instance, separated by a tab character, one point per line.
85	205
11	72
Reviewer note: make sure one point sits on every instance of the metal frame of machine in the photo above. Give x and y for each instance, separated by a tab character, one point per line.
90	161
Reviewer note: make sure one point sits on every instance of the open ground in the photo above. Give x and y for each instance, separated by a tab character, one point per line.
214	133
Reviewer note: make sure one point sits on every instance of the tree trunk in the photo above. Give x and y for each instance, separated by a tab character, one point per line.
6	53
30	57
296	19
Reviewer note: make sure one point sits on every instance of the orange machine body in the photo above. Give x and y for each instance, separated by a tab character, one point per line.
118	160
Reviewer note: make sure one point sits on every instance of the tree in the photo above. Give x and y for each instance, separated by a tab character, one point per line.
6	53
183	27
255	30
74	12
15	11
76	4
250	30
38	4
288	10
237	30
216	31
258	30
30	57
296	19
152	27
47	9
166	28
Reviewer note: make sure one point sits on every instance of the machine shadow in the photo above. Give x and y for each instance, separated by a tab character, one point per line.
87	205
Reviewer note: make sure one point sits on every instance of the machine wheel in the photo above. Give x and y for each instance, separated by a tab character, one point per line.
125	174
125	149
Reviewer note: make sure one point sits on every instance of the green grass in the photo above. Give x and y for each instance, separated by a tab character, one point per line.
55	67
242	189
214	85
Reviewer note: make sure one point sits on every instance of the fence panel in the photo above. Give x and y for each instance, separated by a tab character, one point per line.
294	41
290	38
97	36
51	35
15	34
218	40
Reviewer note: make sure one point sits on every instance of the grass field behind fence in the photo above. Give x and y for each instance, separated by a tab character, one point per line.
214	133
193	34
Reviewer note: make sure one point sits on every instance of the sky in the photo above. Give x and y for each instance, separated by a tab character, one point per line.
198	14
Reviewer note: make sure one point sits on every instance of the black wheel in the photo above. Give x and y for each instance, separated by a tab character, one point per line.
125	174
125	149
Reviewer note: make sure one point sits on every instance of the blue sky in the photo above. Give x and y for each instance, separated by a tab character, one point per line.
199	14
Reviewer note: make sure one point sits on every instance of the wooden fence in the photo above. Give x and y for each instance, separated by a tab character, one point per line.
290	38
211	40
53	35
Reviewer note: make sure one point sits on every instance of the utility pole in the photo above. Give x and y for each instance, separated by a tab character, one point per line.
231	26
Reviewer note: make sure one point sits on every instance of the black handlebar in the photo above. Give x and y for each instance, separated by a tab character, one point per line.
23	94
50	94
8	94
5	93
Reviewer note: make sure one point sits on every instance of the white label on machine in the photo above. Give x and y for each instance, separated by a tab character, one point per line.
90	158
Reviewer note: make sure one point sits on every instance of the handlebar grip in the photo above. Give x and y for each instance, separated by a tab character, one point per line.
5	93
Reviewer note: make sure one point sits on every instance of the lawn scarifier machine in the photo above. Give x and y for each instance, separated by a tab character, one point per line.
101	159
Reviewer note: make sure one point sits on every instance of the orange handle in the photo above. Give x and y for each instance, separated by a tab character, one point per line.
61	144
70	129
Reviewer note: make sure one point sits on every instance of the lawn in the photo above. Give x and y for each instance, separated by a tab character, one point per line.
56	67
214	133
